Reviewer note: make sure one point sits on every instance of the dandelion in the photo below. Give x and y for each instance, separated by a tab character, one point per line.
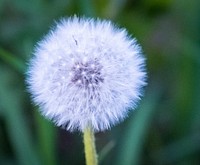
86	73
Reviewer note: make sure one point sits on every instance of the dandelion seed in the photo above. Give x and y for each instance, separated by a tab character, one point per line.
93	77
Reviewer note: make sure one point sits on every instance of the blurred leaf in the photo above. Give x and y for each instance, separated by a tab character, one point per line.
157	5
105	151
18	132
136	130
178	150
192	50
87	8
114	8
46	139
12	60
45	130
1	5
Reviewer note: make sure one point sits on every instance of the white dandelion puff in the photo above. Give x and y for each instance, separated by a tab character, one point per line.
86	72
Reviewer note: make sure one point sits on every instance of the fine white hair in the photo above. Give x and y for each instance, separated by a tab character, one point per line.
86	72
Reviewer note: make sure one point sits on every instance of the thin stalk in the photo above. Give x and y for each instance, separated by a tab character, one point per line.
89	145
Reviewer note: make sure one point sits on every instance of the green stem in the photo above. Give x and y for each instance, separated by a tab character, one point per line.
90	149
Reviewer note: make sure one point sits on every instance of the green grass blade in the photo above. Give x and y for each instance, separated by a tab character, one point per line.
105	151
136	130
46	138
12	60
16	124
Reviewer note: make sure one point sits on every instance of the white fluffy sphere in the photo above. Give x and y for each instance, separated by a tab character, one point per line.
86	72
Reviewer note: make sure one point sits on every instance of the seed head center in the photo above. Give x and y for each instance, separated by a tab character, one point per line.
87	74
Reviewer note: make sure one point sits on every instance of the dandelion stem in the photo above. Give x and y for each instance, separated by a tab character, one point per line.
90	149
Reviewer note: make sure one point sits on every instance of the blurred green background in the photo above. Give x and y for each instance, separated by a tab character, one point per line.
165	128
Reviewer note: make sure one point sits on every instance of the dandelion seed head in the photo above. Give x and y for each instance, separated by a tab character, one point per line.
86	72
